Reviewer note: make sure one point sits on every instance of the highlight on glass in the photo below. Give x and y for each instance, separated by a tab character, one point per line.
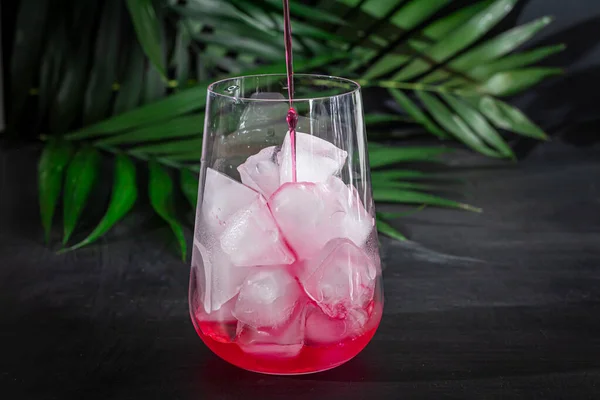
285	275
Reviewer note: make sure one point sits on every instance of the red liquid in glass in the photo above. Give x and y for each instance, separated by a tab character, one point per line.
313	357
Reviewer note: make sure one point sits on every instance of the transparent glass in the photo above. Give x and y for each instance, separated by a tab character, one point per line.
286	276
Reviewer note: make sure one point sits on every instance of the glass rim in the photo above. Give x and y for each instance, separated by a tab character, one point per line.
355	87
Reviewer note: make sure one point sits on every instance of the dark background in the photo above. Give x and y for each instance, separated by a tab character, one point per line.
499	305
573	98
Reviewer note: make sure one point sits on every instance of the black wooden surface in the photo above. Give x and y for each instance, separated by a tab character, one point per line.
499	305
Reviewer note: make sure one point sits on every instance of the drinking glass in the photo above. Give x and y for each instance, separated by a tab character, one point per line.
285	275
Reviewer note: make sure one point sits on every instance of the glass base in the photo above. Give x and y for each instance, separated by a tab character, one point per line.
310	359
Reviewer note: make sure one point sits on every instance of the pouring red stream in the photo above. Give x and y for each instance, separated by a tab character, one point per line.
292	116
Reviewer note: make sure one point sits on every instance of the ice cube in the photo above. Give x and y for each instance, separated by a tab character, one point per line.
267	298
222	197
283	341
252	238
261	172
223	315
197	275
219	279
340	278
311	214
322	329
316	159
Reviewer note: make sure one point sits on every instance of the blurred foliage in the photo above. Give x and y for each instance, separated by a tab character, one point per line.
130	78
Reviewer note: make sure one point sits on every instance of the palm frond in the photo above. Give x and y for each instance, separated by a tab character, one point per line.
124	196
442	65
137	87
148	28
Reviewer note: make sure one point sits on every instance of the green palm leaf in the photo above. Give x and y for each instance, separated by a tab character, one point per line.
379	185
177	128
507	117
130	90
374	119
147	27
392	195
180	59
387	229
80	178
414	111
491	50
460	38
454	124
388	60
391	175
189	186
50	73
386	156
161	192
26	50
124	195
512	82
514	61
174	147
297	9
479	124
99	92
432	54
53	161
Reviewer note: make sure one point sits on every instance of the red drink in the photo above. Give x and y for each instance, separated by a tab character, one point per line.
312	358
316	354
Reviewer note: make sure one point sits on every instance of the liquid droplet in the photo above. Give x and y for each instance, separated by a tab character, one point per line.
292	119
